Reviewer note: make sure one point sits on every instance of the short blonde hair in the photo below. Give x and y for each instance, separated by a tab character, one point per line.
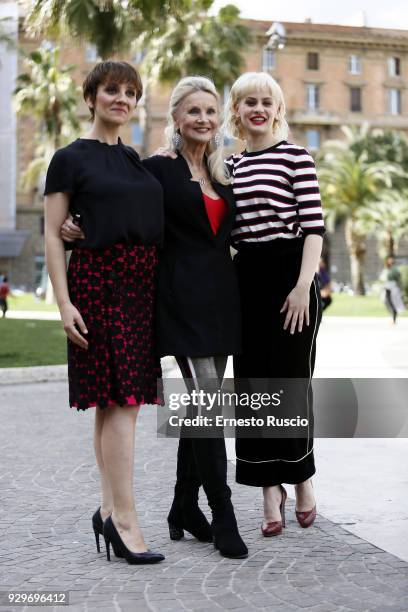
215	155
244	85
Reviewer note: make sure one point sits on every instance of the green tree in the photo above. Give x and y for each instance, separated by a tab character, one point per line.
385	145
177	37
111	25
388	219
208	45
350	184
46	91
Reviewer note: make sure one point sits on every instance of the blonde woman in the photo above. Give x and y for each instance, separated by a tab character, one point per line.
198	317
278	234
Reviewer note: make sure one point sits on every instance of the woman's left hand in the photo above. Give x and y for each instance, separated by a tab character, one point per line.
163	152
297	307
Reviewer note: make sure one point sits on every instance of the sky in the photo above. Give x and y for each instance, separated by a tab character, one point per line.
378	13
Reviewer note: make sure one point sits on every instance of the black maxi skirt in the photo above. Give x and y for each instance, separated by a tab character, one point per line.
267	273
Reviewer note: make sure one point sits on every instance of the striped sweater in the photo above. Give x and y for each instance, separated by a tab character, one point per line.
277	194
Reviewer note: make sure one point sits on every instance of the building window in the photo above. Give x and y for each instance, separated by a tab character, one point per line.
394	101
394	66
313	61
312	96
268	59
137	134
354	65
313	139
91	54
355	99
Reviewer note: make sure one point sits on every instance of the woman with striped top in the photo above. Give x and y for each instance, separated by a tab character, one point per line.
278	234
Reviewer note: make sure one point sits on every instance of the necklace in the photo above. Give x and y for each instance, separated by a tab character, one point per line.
201	180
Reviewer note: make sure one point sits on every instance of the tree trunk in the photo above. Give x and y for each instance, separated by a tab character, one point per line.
390	244
386	246
356	246
146	119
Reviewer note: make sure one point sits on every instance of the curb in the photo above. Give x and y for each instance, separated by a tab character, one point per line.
54	373
14	376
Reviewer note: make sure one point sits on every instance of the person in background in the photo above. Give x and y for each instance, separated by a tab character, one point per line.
392	297
4	293
324	284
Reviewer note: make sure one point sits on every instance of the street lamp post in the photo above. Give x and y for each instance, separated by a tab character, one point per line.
277	36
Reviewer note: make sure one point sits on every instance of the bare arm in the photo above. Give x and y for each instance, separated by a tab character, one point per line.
56	207
297	302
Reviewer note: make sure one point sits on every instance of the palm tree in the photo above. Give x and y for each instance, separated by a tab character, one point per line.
199	44
388	218
47	92
111	25
176	36
350	184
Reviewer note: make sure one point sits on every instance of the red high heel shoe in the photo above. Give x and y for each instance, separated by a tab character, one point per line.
306	518
273	528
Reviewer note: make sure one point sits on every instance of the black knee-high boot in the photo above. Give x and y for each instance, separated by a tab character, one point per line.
211	461
185	513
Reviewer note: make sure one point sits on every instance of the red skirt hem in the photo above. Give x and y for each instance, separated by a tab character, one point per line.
130	401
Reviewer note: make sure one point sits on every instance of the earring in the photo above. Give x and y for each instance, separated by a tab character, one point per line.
217	140
176	140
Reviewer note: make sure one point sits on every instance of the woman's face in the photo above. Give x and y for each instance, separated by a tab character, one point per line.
257	111
197	117
115	102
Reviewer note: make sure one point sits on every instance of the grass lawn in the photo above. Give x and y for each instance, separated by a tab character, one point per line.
344	305
31	343
29	301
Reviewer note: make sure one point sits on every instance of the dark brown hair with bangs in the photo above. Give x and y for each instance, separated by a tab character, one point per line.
112	72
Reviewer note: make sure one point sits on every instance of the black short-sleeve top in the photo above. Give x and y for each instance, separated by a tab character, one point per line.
118	199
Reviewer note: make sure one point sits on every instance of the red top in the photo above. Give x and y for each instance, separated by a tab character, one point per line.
216	210
4	290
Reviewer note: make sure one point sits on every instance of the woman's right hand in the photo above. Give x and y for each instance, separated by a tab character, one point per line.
71	320
70	232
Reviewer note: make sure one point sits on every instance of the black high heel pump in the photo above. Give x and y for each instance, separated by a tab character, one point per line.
111	535
97	524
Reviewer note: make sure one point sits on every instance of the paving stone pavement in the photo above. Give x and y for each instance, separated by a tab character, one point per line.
49	490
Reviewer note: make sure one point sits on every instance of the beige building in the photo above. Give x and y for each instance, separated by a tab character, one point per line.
334	75
331	75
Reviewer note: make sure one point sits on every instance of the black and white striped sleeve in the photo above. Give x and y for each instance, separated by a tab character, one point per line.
307	194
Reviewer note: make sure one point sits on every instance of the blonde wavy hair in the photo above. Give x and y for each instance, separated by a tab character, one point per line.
215	155
244	85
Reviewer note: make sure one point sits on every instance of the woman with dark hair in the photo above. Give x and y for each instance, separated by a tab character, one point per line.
106	299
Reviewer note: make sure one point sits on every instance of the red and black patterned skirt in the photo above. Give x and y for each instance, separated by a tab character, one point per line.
114	290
